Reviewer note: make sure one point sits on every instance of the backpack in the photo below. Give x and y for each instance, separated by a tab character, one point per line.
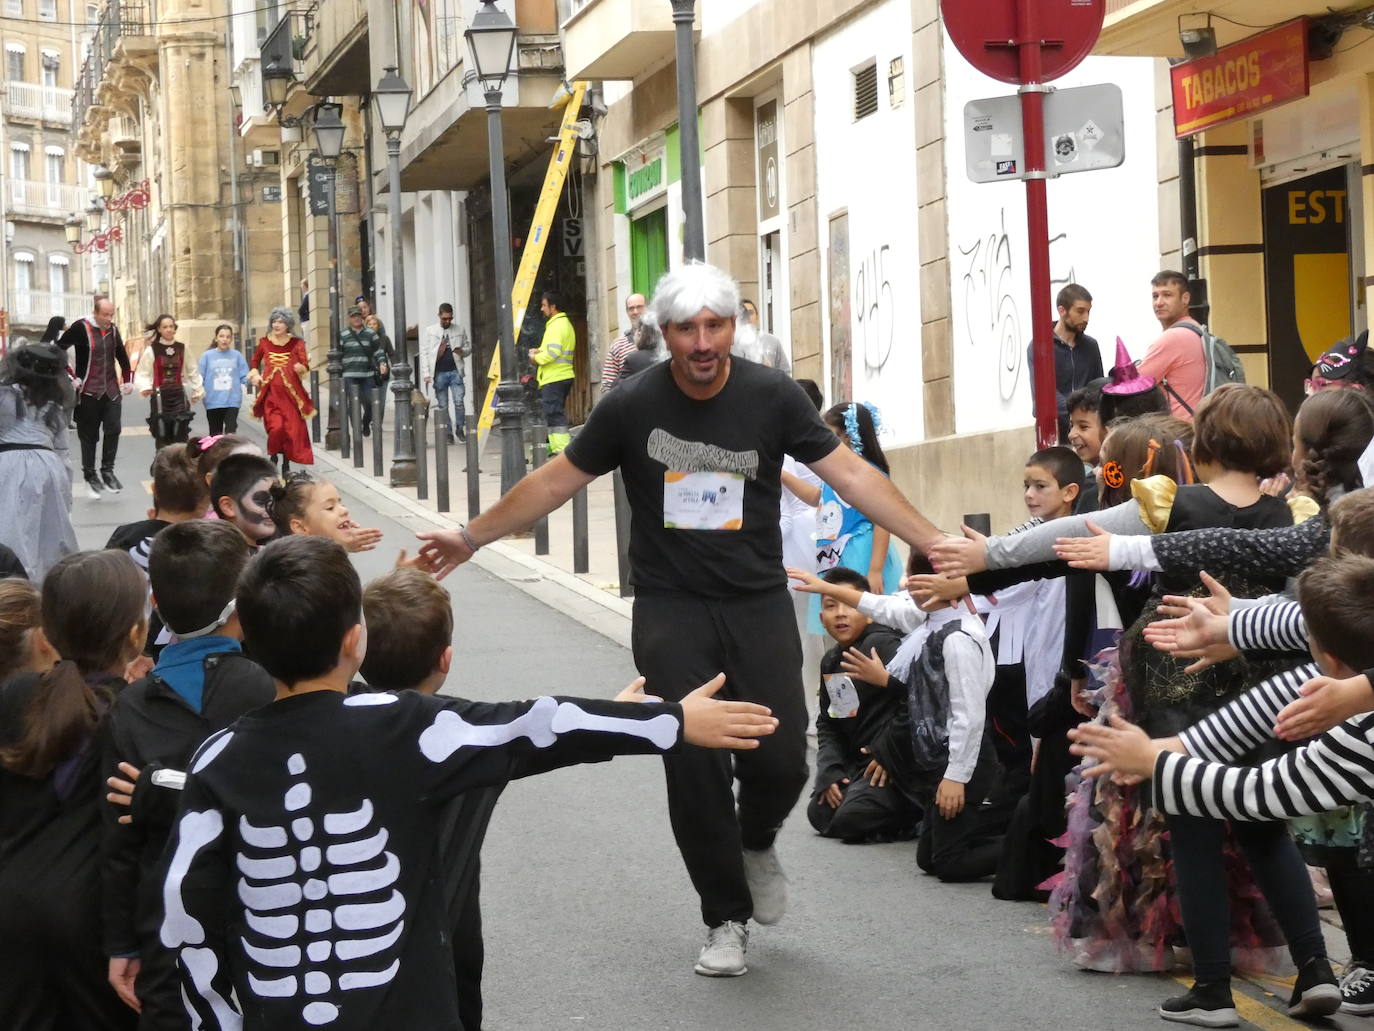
1223	364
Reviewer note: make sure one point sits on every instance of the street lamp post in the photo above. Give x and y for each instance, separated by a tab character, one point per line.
392	97
329	136
491	44
694	225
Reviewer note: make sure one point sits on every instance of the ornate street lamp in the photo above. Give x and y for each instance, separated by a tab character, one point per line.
392	100
276	80
491	45
328	129
104	181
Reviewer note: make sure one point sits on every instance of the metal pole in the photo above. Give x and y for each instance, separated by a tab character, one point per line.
403	458
581	556
336	435
315	400
622	533
1198	306
355	422
473	469
539	454
378	435
510	396
1037	223
421	461
694	229
441	471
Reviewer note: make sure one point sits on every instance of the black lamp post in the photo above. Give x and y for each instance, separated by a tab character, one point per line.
329	137
392	99
491	45
694	225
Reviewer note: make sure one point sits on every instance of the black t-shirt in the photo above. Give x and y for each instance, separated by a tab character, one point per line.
714	464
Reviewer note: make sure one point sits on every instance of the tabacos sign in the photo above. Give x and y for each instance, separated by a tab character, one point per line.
1241	80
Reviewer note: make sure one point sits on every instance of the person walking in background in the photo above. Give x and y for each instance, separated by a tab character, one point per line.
223	372
759	345
165	375
97	348
622	346
382	379
554	359
1077	358
443	351
57	325
283	403
364	362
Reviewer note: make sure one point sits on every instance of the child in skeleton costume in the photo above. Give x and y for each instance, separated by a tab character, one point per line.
171	379
241	493
316	815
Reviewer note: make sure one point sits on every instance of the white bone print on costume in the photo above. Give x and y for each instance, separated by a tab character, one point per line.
318	898
541	723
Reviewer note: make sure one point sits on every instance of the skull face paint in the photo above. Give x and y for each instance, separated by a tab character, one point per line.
253	511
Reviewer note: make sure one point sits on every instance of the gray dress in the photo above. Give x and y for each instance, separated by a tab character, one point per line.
35	484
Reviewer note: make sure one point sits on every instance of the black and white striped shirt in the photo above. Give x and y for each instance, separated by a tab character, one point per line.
1328	772
1270	626
1246	722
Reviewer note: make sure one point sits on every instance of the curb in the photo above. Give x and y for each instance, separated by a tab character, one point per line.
605	613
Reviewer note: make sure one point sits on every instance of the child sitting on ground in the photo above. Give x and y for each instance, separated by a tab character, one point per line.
860	728
357	783
241	494
202	682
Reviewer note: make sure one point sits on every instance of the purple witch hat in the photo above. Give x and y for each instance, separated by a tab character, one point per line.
1125	377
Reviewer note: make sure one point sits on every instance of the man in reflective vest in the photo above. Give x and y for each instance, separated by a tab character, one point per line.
554	359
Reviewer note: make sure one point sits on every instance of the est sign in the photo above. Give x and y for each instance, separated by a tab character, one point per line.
1241	80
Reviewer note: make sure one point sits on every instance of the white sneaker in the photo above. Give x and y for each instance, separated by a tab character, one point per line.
723	953
767	883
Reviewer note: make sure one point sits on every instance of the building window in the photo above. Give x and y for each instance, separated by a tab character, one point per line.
865	90
54	164
92	17
52	66
23	281
57	275
19	161
14	8
47	10
14	63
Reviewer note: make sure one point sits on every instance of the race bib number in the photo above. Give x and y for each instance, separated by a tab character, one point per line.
844	696
703	501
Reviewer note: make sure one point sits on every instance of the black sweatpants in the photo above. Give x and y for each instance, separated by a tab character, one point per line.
1353	890
1195	843
961	849
680	642
865	811
94	414
222	420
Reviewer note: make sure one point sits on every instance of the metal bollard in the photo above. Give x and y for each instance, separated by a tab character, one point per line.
441	470
582	562
417	430
474	469
622	534
378	436
539	454
345	418
980	521
315	400
357	427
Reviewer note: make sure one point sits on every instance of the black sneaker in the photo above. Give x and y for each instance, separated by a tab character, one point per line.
1357	990
452	439
111	481
1203	1005
367	429
1316	993
94	488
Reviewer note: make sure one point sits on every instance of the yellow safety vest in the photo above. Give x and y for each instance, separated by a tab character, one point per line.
555	354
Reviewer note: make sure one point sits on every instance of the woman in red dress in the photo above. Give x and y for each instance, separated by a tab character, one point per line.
283	403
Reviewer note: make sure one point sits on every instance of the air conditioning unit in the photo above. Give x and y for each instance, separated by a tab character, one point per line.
264	158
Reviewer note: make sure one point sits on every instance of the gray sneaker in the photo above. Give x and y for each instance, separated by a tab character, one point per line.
767	883
723	953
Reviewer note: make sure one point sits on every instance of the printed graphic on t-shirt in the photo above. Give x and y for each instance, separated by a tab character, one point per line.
844	696
703	501
690	456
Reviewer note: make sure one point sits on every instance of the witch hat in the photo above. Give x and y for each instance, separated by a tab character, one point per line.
1125	377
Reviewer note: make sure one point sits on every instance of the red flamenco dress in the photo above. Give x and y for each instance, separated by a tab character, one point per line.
283	404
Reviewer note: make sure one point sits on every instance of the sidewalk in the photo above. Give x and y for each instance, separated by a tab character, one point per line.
592	598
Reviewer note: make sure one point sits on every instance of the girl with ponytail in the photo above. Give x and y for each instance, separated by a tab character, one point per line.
92	613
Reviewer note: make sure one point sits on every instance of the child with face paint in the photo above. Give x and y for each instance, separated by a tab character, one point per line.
311	507
241	493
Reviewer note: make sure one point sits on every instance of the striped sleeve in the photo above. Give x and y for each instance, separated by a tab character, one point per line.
1277	627
1247	721
1331	771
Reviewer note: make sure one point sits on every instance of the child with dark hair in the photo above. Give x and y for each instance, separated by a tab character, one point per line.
23	648
209	452
357	782
202	682
55	970
1086	431
241	493
860	728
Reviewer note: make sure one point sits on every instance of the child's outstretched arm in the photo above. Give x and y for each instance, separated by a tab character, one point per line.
1322	703
810	583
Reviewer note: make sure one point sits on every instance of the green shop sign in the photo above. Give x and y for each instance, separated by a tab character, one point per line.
645	179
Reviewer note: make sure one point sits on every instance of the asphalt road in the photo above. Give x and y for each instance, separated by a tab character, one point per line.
590	921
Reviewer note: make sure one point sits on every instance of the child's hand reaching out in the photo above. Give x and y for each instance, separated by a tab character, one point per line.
355	538
1093	552
710	723
634	692
954	556
809	583
1120	749
868	668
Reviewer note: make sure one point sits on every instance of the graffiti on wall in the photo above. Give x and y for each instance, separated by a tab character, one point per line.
992	318
875	309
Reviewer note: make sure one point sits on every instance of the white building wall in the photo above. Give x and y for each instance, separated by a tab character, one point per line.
1104	234
867	168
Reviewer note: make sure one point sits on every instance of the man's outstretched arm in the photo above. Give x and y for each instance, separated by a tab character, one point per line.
874	495
538	494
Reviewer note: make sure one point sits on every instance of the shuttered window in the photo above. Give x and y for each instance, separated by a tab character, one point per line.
866	90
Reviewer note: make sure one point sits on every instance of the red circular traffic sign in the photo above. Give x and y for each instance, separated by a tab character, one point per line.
987	33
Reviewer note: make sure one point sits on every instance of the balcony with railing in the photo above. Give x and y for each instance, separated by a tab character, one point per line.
31	198
124	46
334	49
36	307
616	39
38	103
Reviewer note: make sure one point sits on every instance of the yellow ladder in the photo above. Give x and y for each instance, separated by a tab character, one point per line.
535	243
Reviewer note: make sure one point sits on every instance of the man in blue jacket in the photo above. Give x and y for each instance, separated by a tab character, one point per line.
1077	358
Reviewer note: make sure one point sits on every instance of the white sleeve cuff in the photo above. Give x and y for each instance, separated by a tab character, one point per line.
1133	552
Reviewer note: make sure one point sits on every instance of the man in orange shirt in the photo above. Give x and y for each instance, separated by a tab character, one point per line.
1176	360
